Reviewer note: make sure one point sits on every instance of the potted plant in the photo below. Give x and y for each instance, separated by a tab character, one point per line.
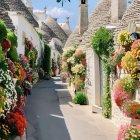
135	48
127	132
129	64
131	109
124	40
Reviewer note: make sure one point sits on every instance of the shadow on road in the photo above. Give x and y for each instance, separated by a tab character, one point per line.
45	119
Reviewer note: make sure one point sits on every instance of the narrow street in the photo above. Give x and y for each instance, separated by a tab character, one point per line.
51	116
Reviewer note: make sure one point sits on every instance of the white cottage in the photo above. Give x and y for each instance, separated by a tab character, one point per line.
24	23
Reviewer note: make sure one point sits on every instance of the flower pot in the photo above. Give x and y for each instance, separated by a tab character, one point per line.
130	95
135	122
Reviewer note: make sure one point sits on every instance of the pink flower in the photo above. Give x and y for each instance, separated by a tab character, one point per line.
24	59
122	132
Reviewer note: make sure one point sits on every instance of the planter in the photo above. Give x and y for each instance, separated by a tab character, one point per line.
135	122
130	95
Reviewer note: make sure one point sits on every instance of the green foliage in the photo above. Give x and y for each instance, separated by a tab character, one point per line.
102	41
3	30
47	59
13	55
107	106
2	56
12	37
129	85
102	44
80	98
32	57
40	35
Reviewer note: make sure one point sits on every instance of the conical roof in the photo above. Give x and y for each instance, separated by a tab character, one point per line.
49	34
65	26
55	27
74	39
100	17
131	14
4	15
18	5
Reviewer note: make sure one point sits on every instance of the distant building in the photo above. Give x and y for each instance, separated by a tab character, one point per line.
54	33
22	22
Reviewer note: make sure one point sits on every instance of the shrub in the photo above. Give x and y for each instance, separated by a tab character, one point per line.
13	55
47	59
40	35
12	37
102	41
80	98
2	56
3	30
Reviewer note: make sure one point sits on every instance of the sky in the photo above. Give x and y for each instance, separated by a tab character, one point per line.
56	10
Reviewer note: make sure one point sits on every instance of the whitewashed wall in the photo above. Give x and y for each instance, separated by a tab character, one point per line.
93	79
22	25
53	50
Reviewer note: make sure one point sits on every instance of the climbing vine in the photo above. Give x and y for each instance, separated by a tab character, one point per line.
102	44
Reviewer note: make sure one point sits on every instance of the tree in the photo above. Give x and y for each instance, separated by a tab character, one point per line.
62	1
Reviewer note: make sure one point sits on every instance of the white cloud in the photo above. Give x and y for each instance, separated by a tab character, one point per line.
57	12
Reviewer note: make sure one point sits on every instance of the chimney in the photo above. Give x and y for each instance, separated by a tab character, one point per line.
83	19
118	8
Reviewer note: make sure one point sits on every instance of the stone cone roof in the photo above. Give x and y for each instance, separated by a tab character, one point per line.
65	26
4	15
55	27
18	5
100	17
131	14
49	33
74	39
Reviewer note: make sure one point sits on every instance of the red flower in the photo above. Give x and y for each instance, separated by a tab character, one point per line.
6	44
31	45
119	64
17	123
83	61
30	78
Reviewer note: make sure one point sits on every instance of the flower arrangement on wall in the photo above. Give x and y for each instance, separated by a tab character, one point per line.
17	77
125	88
74	63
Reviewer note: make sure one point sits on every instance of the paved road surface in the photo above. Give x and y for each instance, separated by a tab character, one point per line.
51	116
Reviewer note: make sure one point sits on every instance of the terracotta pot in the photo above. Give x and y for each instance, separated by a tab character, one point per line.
130	95
135	122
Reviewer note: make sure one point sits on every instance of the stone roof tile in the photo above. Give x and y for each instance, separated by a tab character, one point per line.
18	5
55	27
